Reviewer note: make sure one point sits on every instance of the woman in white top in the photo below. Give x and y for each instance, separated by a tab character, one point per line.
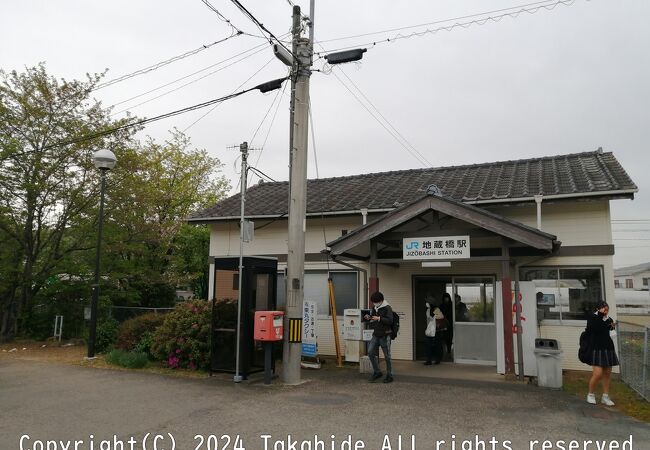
434	344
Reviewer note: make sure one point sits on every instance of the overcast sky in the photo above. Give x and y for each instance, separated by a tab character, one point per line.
562	81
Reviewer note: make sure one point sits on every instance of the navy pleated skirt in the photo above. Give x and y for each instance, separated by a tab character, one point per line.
604	358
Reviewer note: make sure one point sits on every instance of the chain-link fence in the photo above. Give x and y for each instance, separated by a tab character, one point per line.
122	313
634	356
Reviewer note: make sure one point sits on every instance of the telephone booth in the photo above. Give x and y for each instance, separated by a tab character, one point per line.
259	293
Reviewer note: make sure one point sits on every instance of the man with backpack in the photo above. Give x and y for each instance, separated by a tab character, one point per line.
381	322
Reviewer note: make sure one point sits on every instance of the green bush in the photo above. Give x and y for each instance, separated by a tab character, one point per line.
106	334
144	345
183	340
132	331
132	360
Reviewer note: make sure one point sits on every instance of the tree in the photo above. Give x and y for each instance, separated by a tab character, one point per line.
149	249
47	189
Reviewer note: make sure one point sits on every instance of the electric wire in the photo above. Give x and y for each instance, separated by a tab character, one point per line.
146	121
238	87
399	141
467	24
259	48
188	83
164	63
384	118
261	26
318	184
436	22
268	132
221	16
259	172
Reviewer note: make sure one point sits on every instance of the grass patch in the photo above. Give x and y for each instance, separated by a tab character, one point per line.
130	360
626	399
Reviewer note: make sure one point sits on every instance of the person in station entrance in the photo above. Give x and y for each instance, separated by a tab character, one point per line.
462	313
381	322
447	311
434	342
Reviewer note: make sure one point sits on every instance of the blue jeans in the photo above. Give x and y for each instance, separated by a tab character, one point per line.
373	353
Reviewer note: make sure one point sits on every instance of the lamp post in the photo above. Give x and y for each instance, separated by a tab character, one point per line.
104	160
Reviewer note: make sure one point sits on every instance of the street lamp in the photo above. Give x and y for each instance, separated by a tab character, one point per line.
104	160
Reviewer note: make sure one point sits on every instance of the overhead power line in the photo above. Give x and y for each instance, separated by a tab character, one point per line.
420	155
255	50
238	87
261	26
191	82
156	118
164	63
514	12
423	162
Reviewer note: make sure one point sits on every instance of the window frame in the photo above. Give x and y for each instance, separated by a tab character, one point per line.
557	268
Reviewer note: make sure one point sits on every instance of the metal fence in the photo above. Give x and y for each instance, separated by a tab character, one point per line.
122	313
634	356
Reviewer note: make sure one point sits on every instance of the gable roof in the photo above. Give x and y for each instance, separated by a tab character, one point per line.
480	217
632	270
574	175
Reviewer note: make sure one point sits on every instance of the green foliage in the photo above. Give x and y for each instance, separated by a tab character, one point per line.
183	340
48	192
106	334
131	331
145	343
480	312
49	195
132	360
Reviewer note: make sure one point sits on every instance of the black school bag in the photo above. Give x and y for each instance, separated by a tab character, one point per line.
584	347
394	328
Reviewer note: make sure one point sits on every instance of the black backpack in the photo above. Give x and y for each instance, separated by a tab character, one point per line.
584	347
394	329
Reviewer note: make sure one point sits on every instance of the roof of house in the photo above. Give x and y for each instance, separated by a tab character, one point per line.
632	270
574	175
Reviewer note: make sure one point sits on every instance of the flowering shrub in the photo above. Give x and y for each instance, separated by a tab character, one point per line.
183	340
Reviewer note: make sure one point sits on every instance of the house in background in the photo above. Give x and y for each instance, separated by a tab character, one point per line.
465	230
632	277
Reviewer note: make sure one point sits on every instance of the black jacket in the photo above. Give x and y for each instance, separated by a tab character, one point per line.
383	326
598	330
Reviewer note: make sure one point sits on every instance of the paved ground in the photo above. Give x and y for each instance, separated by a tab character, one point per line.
57	402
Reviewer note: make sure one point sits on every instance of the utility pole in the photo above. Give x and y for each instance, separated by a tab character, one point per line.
302	49
243	148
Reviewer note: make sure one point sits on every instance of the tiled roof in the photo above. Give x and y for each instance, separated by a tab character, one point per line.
578	174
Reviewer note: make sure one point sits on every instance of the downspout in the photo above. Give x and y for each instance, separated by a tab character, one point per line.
538	200
364	213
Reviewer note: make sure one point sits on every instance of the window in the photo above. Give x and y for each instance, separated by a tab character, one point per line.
474	299
574	291
346	290
629	284
617	284
645	282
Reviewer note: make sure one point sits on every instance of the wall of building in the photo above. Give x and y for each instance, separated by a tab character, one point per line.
575	224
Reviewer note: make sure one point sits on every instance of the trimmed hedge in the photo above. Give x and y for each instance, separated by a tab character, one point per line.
132	360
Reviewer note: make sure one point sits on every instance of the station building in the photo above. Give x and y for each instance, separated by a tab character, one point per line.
471	231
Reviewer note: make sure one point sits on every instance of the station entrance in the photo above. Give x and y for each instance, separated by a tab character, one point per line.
468	303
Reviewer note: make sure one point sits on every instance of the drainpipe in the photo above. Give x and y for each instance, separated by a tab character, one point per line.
364	213
538	200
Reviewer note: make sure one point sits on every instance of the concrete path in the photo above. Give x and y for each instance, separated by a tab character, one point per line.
68	403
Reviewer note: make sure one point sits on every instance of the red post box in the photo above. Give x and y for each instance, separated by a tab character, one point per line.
268	325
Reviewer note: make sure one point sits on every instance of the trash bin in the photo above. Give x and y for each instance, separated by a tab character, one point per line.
549	363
